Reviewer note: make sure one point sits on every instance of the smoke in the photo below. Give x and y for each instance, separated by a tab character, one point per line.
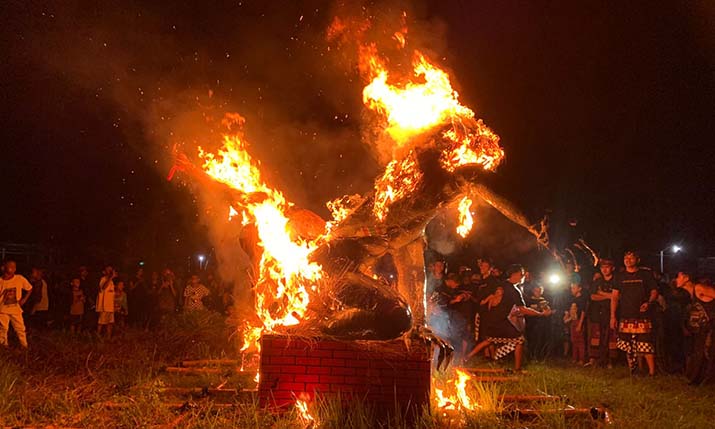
170	74
492	235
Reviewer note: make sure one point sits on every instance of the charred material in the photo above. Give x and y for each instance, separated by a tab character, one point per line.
365	308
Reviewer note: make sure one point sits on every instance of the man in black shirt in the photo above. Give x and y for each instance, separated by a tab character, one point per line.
505	310
634	292
602	339
454	303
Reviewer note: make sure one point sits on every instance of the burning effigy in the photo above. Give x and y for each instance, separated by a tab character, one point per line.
316	278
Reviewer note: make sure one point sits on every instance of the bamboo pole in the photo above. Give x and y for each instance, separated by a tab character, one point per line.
209	362
493	371
530	398
596	413
198	390
202	370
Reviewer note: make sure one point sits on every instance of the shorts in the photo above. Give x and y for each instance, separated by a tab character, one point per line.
106	318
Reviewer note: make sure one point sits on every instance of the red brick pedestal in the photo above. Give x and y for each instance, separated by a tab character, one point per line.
382	373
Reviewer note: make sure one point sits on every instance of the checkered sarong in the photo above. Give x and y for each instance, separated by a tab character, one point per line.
505	345
634	339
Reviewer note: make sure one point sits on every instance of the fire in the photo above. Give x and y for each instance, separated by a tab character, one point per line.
423	101
461	385
285	271
478	145
466	221
459	400
427	100
398	181
303	412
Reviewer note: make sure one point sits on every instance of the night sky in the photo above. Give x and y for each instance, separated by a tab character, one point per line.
605	112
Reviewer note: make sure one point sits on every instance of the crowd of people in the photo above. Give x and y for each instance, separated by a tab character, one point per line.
659	326
483	312
101	304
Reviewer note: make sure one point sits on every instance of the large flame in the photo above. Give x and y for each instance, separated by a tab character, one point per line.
466	221
285	271
421	102
427	100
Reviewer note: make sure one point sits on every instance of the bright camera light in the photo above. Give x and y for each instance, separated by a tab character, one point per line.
677	248
554	279
201	258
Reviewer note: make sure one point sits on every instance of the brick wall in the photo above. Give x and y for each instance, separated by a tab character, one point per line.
384	373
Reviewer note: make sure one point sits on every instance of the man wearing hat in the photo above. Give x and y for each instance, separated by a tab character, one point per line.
634	292
602	339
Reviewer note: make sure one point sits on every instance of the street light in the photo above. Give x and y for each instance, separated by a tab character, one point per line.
674	248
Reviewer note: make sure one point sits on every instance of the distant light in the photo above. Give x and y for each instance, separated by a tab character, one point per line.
554	279
201	258
141	263
677	248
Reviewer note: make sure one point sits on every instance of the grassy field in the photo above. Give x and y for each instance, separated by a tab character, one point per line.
81	381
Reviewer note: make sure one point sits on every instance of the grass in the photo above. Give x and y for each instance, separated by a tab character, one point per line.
66	380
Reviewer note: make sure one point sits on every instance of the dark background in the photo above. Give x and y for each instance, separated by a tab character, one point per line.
605	110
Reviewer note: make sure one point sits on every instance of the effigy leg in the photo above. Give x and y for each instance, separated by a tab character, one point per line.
409	262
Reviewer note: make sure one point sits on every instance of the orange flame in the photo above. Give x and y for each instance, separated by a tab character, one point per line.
285	273
460	399
399	180
303	412
478	145
421	104
466	221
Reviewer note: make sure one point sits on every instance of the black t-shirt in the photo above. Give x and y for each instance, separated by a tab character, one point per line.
634	290
580	302
485	288
497	318
600	311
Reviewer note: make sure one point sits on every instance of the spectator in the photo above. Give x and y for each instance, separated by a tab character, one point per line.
538	328
166	295
602	339
41	302
121	306
701	321
487	286
137	300
89	288
506	307
77	306
679	298
105	302
435	277
11	300
634	292
194	295
575	318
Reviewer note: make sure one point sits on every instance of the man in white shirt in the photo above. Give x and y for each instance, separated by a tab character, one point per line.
105	302
11	287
